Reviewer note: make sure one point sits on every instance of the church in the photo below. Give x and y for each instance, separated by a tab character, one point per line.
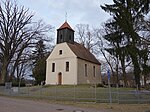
70	62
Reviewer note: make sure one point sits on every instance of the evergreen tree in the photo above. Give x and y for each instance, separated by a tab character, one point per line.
127	14
39	52
39	57
39	71
117	45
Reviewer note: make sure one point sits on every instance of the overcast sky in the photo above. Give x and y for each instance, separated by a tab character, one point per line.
78	11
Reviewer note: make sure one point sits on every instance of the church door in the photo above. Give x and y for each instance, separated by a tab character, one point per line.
60	78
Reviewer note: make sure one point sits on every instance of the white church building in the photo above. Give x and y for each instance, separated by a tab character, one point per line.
71	63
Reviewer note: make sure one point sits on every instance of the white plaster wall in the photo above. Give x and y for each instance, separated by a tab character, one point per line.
60	65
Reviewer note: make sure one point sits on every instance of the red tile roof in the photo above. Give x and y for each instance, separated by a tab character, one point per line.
81	52
65	25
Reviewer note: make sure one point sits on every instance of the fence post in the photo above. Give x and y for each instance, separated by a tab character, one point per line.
55	92
19	90
110	95
137	93
40	91
28	90
118	93
74	93
10	90
95	93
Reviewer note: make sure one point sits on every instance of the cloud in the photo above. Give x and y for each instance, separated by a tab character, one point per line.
79	11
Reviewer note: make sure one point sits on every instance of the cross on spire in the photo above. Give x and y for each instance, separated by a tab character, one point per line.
66	17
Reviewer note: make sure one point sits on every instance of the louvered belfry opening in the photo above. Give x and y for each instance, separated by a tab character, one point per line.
65	34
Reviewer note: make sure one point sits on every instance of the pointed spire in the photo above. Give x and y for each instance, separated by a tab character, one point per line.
65	25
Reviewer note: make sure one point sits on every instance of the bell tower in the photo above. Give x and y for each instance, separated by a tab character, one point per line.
65	34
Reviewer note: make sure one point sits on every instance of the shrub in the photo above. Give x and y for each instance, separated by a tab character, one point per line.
99	85
16	84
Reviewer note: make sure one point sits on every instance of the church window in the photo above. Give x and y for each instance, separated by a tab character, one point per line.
53	67
85	70
94	71
60	52
67	66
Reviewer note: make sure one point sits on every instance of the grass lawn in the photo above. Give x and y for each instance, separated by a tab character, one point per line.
84	93
118	107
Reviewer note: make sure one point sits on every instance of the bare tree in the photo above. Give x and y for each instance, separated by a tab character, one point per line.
115	62
17	33
100	49
85	36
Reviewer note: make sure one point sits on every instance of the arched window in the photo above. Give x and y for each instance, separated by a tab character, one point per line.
94	71
60	52
85	70
67	66
53	67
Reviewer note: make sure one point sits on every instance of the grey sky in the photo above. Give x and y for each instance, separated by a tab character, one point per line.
78	11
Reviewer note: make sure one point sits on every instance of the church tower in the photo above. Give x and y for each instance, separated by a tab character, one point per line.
65	34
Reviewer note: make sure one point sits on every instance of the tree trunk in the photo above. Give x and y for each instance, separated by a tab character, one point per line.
117	76
137	79
4	77
124	77
124	72
137	72
145	85
117	71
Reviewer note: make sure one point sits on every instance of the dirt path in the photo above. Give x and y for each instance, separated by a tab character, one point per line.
20	105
